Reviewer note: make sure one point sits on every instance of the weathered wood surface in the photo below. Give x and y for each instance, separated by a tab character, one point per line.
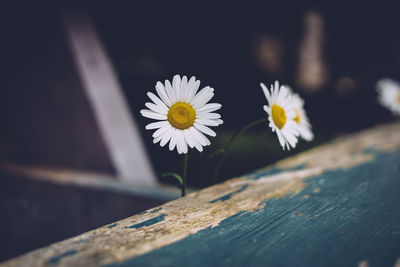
335	205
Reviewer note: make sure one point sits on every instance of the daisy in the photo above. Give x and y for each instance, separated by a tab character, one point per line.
389	94
304	126
183	114
281	114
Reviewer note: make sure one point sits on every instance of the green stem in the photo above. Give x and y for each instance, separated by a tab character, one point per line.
185	161
175	175
227	146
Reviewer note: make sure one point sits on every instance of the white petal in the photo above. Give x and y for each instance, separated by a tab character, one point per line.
202	97
209	108
189	89
193	92
156	108
291	114
157	139
170	92
184	146
291	139
203	100
176	84
208	122
161	131
166	137
173	141
153	115
198	146
281	140
161	91
201	93
189	139
266	92
205	129
181	143
178	145
276	85
157	101
156	125
209	116
183	88
293	126
306	133
267	109
199	137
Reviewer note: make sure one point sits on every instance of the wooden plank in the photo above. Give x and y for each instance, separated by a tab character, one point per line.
118	128
335	205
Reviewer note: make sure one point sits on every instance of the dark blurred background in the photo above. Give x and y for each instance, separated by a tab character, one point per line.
234	46
332	53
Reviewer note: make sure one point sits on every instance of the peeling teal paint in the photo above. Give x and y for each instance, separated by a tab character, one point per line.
112	225
56	259
228	196
352	218
143	212
156	210
149	222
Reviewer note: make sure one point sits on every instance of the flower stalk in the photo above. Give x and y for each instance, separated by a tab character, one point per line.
185	163
224	151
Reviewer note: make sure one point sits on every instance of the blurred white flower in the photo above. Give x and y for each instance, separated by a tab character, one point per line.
183	114
301	118
281	114
389	94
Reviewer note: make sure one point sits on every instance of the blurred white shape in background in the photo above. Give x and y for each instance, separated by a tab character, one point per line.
312	72
269	54
118	128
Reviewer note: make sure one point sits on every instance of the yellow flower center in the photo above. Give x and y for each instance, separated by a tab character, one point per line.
398	97
278	116
298	117
181	115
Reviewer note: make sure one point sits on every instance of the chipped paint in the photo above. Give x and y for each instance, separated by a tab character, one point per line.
112	225
229	195
57	258
148	222
156	210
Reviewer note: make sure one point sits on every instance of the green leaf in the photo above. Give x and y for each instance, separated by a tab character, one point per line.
175	175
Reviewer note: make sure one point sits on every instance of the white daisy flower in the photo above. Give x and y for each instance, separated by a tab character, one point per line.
301	118
281	114
389	94
183	114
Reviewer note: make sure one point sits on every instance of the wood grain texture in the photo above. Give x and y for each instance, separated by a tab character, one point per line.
335	205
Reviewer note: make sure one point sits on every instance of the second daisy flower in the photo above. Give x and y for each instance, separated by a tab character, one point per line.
281	114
